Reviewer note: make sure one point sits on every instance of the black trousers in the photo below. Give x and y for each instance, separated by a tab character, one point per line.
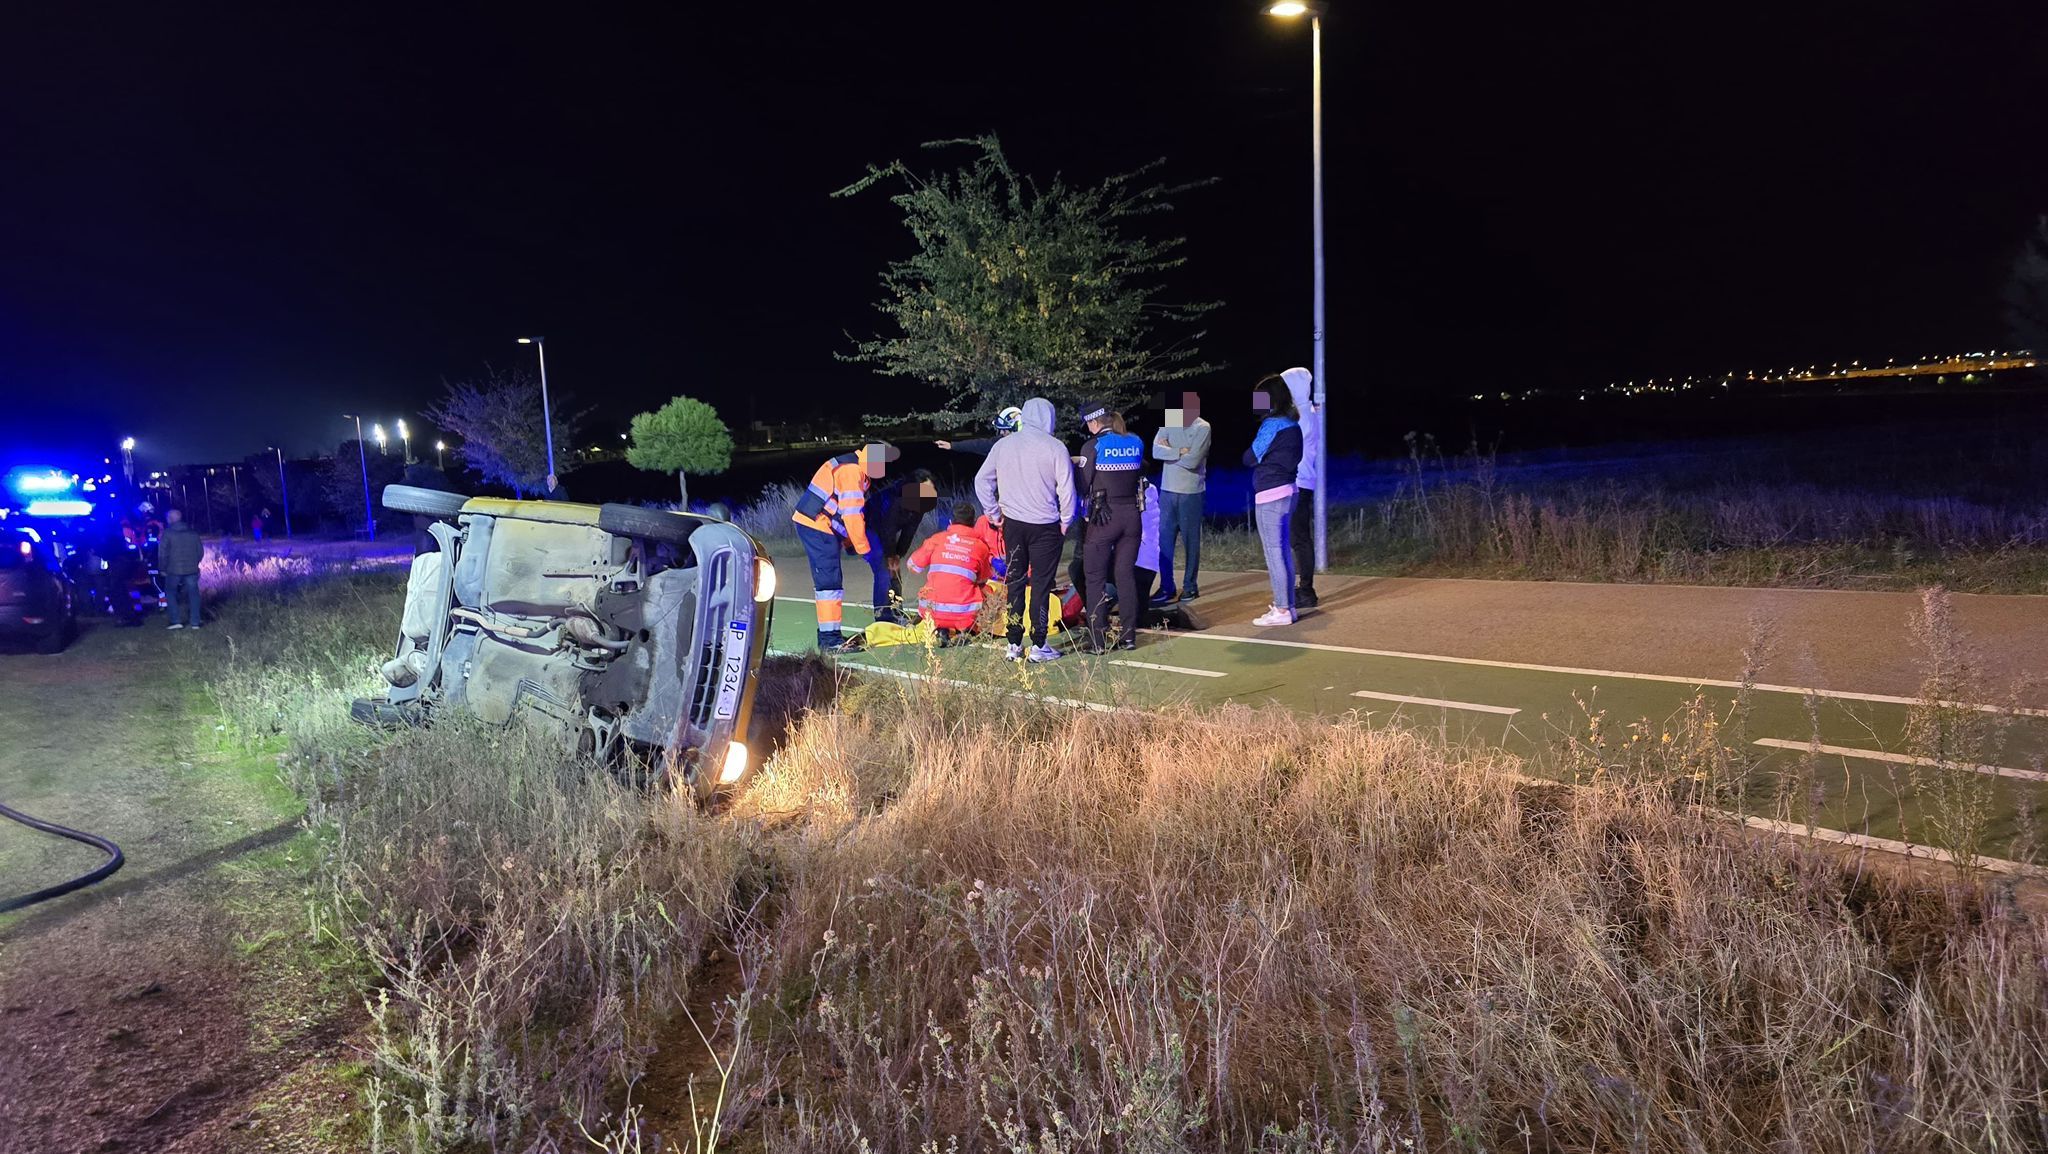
1112	554
1302	536
1032	556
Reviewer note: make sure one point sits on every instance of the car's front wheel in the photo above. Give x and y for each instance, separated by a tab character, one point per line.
423	502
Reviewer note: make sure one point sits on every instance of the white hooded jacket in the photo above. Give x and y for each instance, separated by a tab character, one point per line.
1029	474
1310	470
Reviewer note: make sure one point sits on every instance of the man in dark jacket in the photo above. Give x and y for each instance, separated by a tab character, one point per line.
178	554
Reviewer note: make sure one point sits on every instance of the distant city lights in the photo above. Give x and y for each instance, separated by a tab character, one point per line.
1968	365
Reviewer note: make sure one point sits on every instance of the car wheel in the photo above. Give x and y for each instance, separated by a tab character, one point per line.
55	640
653	524
423	502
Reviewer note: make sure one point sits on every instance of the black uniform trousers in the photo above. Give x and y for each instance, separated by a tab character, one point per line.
1112	554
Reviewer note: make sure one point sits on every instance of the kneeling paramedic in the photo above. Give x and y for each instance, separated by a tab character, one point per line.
957	563
833	508
1110	460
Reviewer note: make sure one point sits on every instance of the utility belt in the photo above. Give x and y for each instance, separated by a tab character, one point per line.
1100	502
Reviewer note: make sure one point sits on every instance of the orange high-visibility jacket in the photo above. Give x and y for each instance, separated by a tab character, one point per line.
956	564
837	500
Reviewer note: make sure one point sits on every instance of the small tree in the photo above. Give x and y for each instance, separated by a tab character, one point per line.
498	417
682	437
2026	292
1017	290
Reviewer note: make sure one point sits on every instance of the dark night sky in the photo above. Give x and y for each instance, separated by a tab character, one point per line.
223	227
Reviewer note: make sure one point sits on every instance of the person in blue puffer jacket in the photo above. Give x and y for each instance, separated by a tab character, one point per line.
1273	458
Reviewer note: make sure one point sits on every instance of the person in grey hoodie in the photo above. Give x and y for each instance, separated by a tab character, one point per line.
1301	528
1027	489
178	553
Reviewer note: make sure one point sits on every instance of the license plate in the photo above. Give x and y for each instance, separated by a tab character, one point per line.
734	675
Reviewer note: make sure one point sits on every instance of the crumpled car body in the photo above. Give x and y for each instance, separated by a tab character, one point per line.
637	635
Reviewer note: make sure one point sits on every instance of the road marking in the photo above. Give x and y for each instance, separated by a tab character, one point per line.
1698	682
1171	668
1901	758
1437	702
1904	849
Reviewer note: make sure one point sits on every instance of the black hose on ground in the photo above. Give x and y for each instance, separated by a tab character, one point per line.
105	871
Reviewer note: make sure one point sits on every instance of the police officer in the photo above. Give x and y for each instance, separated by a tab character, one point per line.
1110	460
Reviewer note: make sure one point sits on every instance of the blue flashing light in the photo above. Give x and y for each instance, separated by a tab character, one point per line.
26	481
47	507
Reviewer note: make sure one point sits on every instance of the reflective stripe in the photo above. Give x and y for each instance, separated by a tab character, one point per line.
957	571
830	595
852	495
916	568
951	607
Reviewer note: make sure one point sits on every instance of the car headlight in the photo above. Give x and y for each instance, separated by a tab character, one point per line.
735	763
764	579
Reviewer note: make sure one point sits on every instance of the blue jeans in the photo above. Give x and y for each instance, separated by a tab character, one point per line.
1273	518
1180	514
183	588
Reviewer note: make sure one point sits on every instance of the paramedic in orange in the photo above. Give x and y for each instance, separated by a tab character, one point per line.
834	509
956	563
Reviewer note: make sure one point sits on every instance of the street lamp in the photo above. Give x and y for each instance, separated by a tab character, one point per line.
547	420
284	490
405	440
1314	12
377	431
128	458
363	460
235	473
440	447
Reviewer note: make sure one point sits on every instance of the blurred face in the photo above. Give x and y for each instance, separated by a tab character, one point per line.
174	517
1182	410
1262	401
876	457
925	498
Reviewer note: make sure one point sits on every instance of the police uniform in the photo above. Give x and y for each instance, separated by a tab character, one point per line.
1110	477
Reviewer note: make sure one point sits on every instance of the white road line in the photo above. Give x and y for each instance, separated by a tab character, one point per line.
1845	695
1171	668
1900	758
1905	849
907	675
1437	702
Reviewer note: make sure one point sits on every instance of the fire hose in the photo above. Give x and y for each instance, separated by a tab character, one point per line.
106	869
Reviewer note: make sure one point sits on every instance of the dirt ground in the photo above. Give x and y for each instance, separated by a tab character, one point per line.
158	1010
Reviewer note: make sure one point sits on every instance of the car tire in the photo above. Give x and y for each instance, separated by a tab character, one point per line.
653	524
55	640
423	502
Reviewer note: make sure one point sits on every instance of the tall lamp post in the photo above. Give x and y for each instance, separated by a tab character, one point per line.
363	460
440	448
1314	11
405	440
235	474
547	419
284	490
128	459
377	434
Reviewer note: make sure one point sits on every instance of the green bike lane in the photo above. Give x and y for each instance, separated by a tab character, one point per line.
1861	781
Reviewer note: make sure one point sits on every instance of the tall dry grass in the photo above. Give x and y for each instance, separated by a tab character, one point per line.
1007	927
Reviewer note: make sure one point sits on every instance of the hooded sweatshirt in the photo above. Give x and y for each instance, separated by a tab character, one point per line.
1311	467
1028	474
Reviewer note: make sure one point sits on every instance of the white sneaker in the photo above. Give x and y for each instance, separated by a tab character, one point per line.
174	625
1013	652
1274	615
1044	653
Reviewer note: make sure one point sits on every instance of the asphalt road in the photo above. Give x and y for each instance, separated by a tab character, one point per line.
1534	666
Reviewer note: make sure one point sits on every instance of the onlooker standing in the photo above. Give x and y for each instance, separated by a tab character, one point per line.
1027	486
1307	476
178	554
256	524
1273	458
1183	444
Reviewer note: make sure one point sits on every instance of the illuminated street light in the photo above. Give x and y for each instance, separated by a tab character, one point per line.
405	439
440	447
1314	11
128	458
377	433
547	420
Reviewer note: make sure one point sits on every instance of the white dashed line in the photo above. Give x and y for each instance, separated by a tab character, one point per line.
1901	758
1437	702
1171	668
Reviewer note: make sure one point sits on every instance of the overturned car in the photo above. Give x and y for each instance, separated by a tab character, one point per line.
637	634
